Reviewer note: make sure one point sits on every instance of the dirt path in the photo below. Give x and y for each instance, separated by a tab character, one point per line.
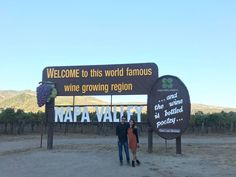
82	156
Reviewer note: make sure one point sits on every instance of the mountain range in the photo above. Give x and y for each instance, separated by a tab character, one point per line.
26	100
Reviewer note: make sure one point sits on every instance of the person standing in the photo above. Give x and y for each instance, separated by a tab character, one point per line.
122	132
133	141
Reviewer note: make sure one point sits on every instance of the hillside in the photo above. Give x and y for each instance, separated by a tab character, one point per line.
4	95
23	100
26	100
209	108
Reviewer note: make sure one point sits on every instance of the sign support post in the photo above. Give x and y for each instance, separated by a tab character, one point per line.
50	119
150	138
178	145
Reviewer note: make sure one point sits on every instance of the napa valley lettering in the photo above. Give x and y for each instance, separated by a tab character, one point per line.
103	113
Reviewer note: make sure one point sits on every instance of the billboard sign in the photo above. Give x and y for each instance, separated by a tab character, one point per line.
119	79
169	107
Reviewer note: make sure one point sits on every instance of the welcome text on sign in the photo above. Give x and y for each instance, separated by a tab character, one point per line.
117	79
53	73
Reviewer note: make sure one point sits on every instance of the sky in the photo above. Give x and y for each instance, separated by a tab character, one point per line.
193	40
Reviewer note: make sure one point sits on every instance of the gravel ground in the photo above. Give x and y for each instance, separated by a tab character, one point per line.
87	155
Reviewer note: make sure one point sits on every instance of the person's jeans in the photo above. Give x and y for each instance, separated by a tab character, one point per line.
125	144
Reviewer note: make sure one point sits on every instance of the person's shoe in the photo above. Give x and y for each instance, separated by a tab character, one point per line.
121	163
128	162
133	165
138	162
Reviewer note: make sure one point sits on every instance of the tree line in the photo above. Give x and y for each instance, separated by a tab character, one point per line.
10	118
19	118
213	119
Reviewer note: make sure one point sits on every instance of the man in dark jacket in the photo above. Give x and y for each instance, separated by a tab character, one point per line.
121	132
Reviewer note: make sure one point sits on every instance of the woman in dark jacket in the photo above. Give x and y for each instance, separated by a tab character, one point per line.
133	141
